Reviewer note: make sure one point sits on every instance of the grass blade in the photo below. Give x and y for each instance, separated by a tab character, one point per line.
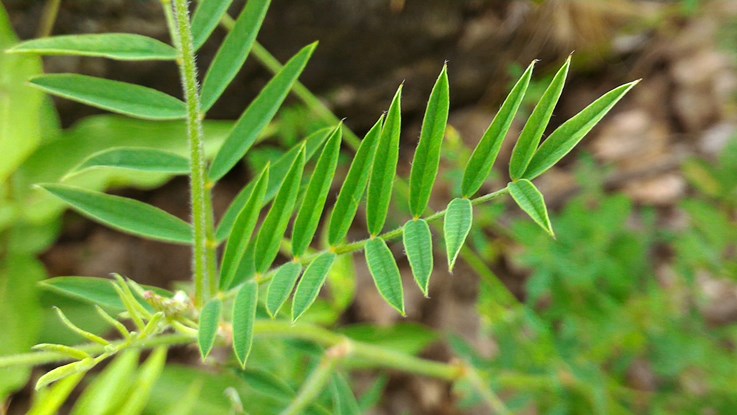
484	155
384	168
529	138
385	273
121	97
278	171
311	283
275	224
313	204
530	200
209	323
123	214
354	186
571	132
137	158
258	115
233	51
427	155
244	316
118	46
458	220
417	240
242	231
206	18
281	287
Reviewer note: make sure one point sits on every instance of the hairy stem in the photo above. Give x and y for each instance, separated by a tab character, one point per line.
203	256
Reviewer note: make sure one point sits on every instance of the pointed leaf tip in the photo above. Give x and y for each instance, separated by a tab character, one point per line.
531	201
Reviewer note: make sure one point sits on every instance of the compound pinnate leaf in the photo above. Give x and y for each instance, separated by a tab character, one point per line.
458	220
530	200
258	115
427	155
233	51
311	283
571	132
417	240
137	158
275	224
278	171
244	316
281	286
206	18
485	154
354	186
121	97
119	46
529	138
385	273
209	323
385	167
126	215
242	230
313	203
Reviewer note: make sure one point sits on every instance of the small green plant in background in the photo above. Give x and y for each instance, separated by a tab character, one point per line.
241	300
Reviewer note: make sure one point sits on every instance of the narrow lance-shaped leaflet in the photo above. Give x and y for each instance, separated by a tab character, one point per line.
384	168
311	283
530	200
485	154
275	224
385	273
242	230
119	46
313	203
354	186
529	138
457	225
244	316
258	115
427	155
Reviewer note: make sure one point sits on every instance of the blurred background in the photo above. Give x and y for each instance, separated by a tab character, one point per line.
631	310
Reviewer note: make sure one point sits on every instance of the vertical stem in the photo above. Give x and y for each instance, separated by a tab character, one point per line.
199	193
316	382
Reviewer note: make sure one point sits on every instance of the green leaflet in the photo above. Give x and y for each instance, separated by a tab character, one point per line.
121	97
206	18
311	283
247	267
209	323
242	231
120	46
344	401
385	273
275	224
244	315
137	158
145	380
530	200
281	286
126	215
571	132
417	240
427	155
533	131
233	51
384	168
61	372
94	291
313	204
108	389
484	155
258	115
354	186
278	171
458	219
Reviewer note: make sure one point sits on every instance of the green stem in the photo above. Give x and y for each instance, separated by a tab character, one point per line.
314	384
486	392
203	254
